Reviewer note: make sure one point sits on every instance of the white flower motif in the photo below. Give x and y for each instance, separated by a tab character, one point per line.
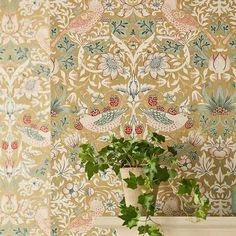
194	138
110	205
185	163
76	189
27	187
220	148
28	7
109	5
30	88
156	64
71	190
155	5
112	65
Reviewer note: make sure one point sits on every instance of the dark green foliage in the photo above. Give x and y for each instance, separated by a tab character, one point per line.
119	27
129	214
146	26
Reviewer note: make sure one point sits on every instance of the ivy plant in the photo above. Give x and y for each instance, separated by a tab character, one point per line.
159	165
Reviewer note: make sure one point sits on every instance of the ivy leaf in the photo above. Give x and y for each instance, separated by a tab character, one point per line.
151	230
116	169
147	201
202	211
91	169
173	173
162	175
103	167
158	138
187	186
129	214
150	169
172	150
133	181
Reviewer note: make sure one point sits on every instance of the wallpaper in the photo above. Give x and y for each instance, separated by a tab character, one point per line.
77	71
25	118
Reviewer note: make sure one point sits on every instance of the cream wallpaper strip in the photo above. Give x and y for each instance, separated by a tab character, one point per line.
25	118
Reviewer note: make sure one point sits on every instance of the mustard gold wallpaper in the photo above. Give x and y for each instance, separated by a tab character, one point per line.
77	71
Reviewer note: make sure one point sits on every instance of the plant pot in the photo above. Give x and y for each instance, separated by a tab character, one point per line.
131	195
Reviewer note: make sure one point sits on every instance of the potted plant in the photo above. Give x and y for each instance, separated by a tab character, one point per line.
142	166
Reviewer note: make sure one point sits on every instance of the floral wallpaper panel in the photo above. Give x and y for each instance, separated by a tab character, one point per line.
128	67
25	119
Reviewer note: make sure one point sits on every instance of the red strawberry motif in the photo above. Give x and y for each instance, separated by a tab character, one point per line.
114	101
152	100
27	119
53	114
189	124
34	126
139	129
128	129
160	108
5	145
78	125
44	128
95	112
14	145
172	111
105	109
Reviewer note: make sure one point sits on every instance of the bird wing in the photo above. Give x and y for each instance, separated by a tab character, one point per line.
184	18
81	20
109	116
32	133
158	116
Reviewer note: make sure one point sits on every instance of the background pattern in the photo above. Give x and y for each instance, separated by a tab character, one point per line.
132	66
25	118
124	67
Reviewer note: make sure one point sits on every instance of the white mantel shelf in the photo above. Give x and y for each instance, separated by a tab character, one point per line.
176	226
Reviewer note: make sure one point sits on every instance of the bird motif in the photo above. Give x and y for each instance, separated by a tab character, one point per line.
165	122
180	20
34	137
103	122
84	22
43	220
84	222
